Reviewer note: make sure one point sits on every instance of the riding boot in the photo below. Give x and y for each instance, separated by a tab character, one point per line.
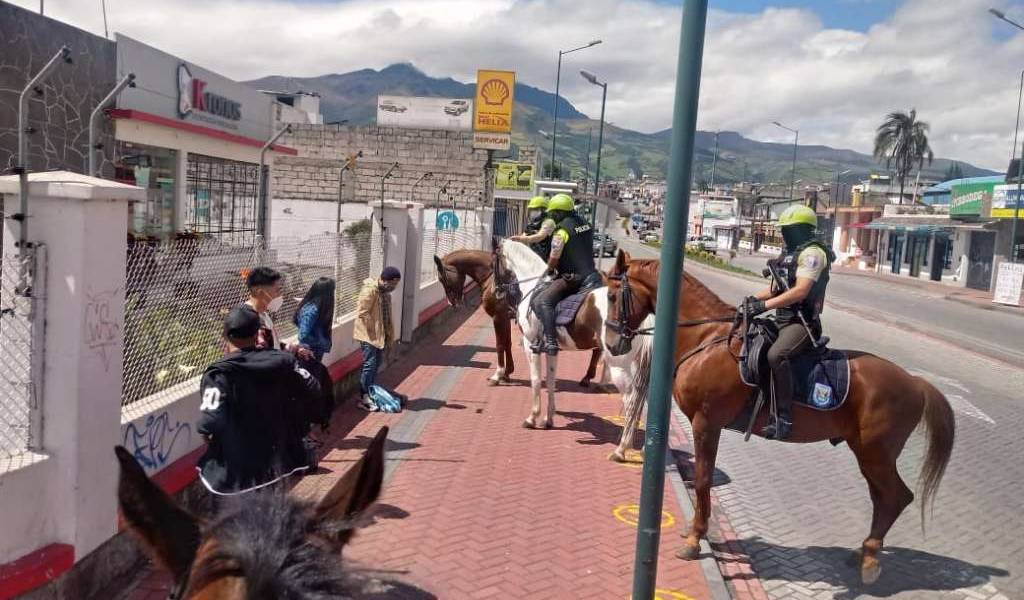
781	426
550	344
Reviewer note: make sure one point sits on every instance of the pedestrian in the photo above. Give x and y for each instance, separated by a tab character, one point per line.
374	329
315	317
254	412
266	296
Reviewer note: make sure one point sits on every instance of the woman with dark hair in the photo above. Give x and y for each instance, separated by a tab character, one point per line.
315	317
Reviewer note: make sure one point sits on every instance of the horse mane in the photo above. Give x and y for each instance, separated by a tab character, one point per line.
692	287
521	255
263	538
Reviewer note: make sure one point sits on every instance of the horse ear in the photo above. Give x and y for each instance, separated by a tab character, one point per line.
169	533
439	263
621	261
357	489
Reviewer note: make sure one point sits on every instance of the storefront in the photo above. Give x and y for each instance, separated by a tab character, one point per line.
192	138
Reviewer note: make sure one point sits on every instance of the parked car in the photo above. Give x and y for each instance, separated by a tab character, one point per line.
702	242
392	106
650	236
606	244
456	107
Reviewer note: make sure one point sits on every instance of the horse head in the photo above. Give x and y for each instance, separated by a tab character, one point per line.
631	299
452	280
239	553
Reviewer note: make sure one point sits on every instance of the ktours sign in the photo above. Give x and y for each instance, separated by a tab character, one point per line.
192	96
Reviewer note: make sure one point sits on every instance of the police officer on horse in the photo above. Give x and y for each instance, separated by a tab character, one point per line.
539	228
797	300
570	264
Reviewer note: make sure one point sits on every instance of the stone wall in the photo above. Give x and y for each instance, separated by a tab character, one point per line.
60	116
313	174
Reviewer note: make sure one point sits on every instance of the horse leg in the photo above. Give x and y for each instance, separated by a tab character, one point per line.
535	378
705	450
595	357
633	407
500	346
510	363
889	497
552	367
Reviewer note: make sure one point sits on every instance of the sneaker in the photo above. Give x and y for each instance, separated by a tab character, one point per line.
366	404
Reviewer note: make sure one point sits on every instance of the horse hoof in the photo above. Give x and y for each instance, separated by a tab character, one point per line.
870	570
529	424
547	424
617	456
688	552
492	382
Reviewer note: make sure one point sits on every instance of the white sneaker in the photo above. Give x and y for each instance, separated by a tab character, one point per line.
366	404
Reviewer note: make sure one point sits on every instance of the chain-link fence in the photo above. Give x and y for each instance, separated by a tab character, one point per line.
438	242
178	293
21	305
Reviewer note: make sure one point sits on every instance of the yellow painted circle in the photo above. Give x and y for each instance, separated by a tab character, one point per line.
615	420
629	514
660	594
634	459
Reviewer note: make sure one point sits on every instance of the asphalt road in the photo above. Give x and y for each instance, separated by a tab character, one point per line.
801	509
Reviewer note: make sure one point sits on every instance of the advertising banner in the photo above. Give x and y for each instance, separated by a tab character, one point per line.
493	105
1005	200
417	112
514	176
968	199
1009	282
492	141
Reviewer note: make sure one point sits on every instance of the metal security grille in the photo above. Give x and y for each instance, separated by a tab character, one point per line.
21	328
222	198
178	293
508	216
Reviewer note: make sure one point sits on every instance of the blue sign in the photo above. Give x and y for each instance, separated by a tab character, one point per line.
447	220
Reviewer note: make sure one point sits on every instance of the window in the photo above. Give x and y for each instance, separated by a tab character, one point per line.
221	198
154	170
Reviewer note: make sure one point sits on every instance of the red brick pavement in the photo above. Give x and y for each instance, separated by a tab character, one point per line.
481	508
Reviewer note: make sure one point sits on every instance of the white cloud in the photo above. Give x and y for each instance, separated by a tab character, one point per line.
781	64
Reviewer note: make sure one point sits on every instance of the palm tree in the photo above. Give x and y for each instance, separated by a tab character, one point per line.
901	140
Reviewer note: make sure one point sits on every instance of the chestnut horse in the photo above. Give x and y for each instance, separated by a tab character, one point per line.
478	265
884	404
267	545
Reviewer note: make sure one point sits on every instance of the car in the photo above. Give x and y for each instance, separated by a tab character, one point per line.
702	242
456	107
605	244
650	236
392	106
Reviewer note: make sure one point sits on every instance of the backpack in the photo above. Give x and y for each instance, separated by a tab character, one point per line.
386	400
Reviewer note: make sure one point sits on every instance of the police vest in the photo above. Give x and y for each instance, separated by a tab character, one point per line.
543	247
812	305
578	254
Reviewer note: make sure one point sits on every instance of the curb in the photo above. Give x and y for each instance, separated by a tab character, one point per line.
951	296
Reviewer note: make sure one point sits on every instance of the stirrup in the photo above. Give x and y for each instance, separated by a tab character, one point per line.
778	429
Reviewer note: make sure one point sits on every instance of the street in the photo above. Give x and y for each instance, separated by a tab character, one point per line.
801	510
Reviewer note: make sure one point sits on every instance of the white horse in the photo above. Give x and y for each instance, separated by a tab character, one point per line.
624	370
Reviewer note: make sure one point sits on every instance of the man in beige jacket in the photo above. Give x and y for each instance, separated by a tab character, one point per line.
374	328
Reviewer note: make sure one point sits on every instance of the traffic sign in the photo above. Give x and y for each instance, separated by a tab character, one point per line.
447	220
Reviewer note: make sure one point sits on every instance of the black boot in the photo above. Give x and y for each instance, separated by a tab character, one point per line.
781	427
551	344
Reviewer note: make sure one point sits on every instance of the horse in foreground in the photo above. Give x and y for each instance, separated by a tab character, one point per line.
267	545
478	265
882	408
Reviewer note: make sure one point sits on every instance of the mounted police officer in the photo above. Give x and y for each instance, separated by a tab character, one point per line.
571	264
539	228
804	268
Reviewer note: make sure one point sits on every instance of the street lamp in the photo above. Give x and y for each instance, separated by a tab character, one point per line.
558	81
600	133
1020	161
796	140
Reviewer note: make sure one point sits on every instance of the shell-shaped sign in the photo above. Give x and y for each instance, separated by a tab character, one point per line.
495	92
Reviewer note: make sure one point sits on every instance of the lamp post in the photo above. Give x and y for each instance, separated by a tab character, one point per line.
1020	161
600	140
796	140
558	81
714	163
586	169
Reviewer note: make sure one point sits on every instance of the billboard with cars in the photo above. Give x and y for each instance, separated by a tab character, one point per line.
417	112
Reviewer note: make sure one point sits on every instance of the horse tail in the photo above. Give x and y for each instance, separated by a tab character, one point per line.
641	380
940	427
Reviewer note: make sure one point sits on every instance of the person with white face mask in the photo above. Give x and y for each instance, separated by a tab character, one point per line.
265	297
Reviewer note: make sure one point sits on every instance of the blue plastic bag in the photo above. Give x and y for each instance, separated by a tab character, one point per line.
385	400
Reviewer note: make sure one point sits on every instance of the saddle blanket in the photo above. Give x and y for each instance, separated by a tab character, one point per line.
565	312
822	380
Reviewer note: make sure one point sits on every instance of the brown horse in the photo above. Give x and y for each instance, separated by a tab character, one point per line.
267	545
884	405
478	265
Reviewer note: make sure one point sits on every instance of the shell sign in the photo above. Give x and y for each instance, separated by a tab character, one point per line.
492	111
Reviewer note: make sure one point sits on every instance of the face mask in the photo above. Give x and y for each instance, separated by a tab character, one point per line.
795	236
275	304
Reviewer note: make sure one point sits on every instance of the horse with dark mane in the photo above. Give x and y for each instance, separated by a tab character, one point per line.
262	545
882	408
478	265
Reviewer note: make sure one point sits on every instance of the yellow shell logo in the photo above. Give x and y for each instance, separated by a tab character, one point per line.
495	92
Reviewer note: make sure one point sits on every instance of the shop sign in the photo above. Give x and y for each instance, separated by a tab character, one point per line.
1009	282
491	141
514	176
192	95
968	199
492	110
1005	200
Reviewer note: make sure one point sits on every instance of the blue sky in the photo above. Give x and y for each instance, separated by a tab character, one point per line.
858	15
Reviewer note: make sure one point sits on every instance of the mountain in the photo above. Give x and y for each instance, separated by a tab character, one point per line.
353	96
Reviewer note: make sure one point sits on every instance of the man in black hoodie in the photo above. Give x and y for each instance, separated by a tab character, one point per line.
256	406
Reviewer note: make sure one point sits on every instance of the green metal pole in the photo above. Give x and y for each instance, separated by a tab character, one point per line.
684	126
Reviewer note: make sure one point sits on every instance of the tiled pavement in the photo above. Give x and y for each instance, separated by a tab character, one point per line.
475	506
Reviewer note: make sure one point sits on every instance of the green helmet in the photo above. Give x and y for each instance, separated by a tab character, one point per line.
562	202
798	215
537	202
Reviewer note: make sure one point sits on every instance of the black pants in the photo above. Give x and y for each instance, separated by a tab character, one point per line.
545	300
793	341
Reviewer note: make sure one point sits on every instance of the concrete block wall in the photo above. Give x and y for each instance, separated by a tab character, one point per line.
314	173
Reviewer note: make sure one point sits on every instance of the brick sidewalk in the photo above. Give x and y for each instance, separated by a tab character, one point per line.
475	506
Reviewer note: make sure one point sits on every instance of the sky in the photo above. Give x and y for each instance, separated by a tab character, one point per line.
831	68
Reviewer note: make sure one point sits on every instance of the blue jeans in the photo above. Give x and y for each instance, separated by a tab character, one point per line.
371	362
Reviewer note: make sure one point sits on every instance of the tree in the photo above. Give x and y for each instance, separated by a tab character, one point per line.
901	141
954	171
